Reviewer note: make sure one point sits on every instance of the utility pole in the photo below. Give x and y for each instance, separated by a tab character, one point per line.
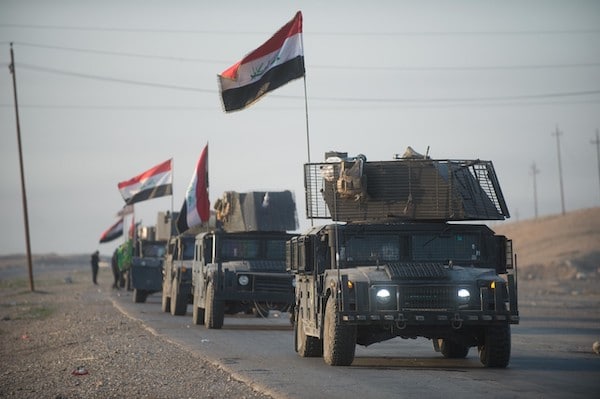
23	192
535	171
597	142
557	134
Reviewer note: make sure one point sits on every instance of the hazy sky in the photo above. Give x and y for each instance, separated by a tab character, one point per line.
108	89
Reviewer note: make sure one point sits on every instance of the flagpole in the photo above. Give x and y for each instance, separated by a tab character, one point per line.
172	195
307	131
306	116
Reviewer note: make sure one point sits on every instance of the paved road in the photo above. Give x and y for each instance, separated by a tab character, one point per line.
551	357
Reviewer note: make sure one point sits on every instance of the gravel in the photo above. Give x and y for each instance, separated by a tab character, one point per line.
66	340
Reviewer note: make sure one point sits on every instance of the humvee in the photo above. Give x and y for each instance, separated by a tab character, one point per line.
403	258
240	266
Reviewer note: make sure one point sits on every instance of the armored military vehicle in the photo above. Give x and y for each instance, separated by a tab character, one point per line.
396	262
144	276
240	265
177	274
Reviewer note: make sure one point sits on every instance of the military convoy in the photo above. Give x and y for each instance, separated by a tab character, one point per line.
394	264
402	257
240	265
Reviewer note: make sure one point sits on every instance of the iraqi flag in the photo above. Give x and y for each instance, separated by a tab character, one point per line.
279	60
196	206
153	183
113	232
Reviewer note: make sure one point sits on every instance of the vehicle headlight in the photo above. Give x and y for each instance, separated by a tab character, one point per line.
243	280
383	296
294	282
464	294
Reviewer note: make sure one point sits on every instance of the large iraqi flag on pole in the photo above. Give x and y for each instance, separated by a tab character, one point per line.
278	61
153	183
196	206
113	232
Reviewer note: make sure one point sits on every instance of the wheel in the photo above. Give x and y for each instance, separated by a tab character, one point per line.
166	299
495	348
178	302
305	345
453	350
128	279
139	296
197	312
339	340
214	313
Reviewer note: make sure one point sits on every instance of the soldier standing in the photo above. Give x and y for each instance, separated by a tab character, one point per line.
95	263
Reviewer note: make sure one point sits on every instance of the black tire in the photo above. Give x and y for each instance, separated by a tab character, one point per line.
214	313
139	296
197	312
453	350
178	301
339	340
128	280
166	299
306	345
494	352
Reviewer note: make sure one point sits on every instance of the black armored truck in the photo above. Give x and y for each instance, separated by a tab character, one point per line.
239	267
403	258
144	276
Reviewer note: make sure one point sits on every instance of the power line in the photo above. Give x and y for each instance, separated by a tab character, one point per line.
335	99
578	31
171	107
124	54
111	79
336	67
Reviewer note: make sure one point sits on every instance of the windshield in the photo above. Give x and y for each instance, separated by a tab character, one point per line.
371	248
385	248
441	248
188	248
248	249
153	250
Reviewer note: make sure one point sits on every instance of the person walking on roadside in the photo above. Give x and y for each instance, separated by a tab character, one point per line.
95	264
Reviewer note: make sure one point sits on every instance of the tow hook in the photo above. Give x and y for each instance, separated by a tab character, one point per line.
401	323
457	322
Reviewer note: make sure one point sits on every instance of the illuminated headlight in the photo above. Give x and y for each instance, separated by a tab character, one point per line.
383	296
243	280
464	294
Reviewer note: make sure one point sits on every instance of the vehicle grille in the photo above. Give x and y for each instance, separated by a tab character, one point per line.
272	284
426	297
417	271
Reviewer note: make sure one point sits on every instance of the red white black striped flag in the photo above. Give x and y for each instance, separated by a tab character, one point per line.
153	183
278	61
196	206
113	232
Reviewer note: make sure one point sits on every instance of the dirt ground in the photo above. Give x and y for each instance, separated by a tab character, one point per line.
67	340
